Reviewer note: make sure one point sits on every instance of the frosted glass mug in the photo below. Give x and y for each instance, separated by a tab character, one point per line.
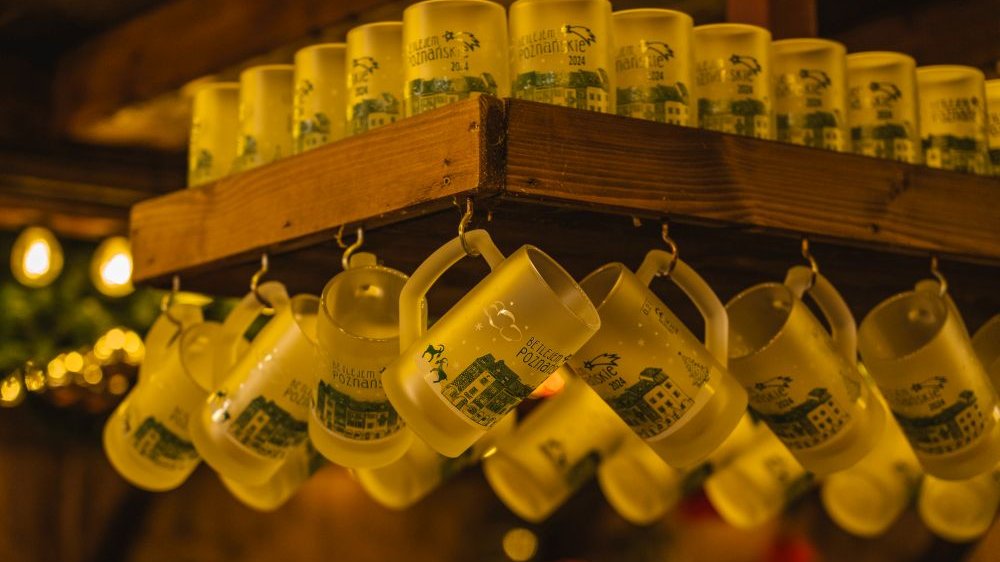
757	485
563	53
214	126
986	344
960	510
300	463
554	451
653	64
642	488
952	102
374	75
320	95
265	115
882	106
867	498
803	381
488	353
810	93
993	124
732	76
422	469
259	412
672	390
917	350
453	49
352	422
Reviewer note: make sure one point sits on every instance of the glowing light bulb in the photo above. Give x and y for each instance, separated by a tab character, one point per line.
36	258
111	268
11	391
73	362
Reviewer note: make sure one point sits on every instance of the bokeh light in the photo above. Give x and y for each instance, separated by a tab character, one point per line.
36	258
111	267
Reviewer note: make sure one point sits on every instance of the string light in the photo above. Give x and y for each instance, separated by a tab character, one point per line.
520	544
111	267
36	258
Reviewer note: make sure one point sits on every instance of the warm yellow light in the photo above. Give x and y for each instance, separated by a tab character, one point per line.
134	348
36	258
102	351
115	338
93	374
117	384
73	362
34	378
549	387
111	268
57	371
11	391
520	544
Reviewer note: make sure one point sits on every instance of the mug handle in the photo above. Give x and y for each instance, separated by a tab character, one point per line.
704	298
843	329
933	286
413	306
164	333
239	321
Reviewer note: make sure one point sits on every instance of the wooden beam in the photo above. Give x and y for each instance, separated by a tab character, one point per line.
785	18
161	50
411	167
640	167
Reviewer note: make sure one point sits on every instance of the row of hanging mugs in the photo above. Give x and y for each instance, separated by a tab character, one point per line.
356	376
647	63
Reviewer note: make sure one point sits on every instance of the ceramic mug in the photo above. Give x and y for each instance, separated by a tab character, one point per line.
803	381
265	115
917	349
563	53
320	96
810	93
672	390
214	125
488	353
952	101
374	75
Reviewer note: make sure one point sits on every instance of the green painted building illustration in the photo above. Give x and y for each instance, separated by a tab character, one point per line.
663	103
267	428
425	95
651	405
889	140
950	152
582	89
747	117
314	132
355	419
818	129
951	429
163	447
370	113
486	390
809	423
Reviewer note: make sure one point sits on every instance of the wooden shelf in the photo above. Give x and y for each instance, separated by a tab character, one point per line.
558	177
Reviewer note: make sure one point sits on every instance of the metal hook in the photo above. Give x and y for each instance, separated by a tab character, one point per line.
167	302
674	252
942	282
345	260
463	224
813	265
255	282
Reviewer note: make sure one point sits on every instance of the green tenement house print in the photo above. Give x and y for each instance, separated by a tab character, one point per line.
372	113
267	428
486	390
163	447
582	89
355	419
889	140
810	423
314	132
819	130
949	430
950	152
425	95
651	405
747	117
663	102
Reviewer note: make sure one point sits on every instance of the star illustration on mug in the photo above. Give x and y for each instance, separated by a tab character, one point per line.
478	327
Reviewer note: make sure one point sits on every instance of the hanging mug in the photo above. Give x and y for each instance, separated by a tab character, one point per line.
422	469
672	390
803	382
917	349
554	452
485	355
300	463
986	343
352	422
259	412
960	510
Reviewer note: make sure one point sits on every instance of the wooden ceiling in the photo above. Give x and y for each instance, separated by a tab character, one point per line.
93	95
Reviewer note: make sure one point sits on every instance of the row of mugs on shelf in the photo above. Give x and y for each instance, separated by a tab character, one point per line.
647	63
359	375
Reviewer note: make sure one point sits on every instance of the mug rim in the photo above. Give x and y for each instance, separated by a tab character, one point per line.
330	46
615	287
493	5
325	313
633	12
754	29
181	350
746	293
296	308
373	25
817	42
593	323
866	324
887	57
